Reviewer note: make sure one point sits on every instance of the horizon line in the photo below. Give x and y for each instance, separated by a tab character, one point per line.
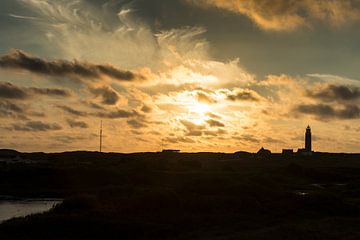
162	151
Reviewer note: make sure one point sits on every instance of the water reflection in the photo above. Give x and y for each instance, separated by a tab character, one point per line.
21	208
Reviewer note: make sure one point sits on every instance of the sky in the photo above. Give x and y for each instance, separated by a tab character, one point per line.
194	75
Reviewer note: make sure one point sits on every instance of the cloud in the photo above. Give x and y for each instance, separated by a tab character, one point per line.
50	92
35	126
111	114
205	98
118	113
247	138
11	91
213	115
193	129
217	132
70	139
331	100
243	95
287	15
325	111
179	140
146	109
335	93
106	32
19	60
73	111
108	95
277	80
77	124
273	140
23	17
92	105
215	123
136	124
9	109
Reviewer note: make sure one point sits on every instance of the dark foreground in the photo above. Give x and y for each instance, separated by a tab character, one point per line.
185	196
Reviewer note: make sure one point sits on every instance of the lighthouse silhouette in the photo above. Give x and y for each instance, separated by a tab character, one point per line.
308	147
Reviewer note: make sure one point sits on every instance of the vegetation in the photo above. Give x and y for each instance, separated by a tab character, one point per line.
185	196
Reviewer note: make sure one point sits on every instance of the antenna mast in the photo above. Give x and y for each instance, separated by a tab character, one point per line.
101	132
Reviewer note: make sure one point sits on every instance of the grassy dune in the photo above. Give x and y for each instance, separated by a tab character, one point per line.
186	196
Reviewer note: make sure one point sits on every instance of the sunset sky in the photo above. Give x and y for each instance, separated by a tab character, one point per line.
195	75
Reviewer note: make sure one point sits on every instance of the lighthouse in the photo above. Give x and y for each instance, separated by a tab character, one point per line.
308	147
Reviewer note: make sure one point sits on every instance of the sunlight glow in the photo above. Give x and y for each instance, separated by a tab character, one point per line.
197	112
199	108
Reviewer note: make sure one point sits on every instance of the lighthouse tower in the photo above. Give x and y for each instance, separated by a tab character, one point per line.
308	147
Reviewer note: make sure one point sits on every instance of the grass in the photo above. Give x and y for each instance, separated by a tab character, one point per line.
175	196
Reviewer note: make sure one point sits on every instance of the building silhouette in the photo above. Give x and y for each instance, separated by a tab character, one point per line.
288	152
307	151
308	147
263	153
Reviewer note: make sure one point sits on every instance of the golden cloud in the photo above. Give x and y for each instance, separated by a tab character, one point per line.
287	15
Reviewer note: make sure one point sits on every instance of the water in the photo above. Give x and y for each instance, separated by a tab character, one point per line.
301	193
21	208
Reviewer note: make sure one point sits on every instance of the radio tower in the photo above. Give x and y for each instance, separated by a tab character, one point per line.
101	131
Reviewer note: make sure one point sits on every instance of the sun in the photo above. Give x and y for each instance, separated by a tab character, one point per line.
197	112
199	108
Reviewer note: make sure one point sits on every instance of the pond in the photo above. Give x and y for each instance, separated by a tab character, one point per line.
21	208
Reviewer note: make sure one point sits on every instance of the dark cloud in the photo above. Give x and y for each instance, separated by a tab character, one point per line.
205	98
108	95
119	113
136	124
324	111
141	139
11	91
8	109
136	132
17	59
146	109
36	114
73	111
349	112
194	133
69	139
215	123
247	138
335	93
12	110
341	97
196	130
35	126
155	133
273	140
215	133
92	105
51	92
243	95
6	105
179	140
213	115
113	114
319	110
193	129
77	124
96	106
